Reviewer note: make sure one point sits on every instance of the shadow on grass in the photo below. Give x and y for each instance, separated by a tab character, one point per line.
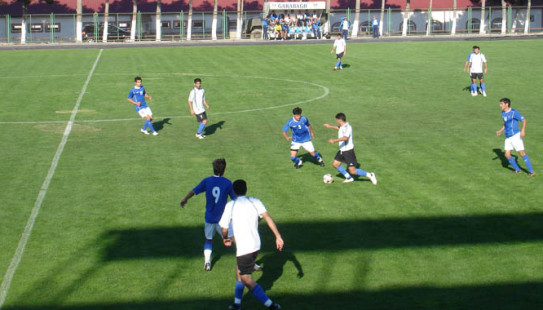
330	236
160	124
505	163
525	295
210	130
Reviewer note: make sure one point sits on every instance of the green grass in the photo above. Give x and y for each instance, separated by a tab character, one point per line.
447	227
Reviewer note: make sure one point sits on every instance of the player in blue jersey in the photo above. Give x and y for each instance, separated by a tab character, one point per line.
302	132
514	135
137	96
346	151
217	189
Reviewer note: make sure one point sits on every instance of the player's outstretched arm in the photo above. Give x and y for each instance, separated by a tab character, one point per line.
185	200
279	243
331	126
499	132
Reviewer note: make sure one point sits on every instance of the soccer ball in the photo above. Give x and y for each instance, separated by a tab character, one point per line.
327	178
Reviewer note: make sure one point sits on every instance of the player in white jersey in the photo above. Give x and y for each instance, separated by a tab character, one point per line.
475	62
197	101
341	50
346	151
244	213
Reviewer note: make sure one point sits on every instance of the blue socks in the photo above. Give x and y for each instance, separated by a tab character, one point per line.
473	87
201	128
148	124
361	172
238	292
528	163
338	64
295	160
483	87
513	163
344	172
259	293
317	156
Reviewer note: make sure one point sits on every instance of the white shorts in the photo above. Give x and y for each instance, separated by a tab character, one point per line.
210	230
145	112
308	146
514	143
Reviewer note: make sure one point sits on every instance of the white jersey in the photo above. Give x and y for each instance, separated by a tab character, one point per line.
197	97
477	61
244	213
345	131
339	44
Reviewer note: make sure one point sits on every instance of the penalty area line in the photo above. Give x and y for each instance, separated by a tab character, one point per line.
8	277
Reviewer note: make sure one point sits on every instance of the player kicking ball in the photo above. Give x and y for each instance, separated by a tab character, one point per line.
346	151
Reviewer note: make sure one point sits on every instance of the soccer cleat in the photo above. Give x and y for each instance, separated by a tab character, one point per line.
531	174
199	136
517	172
372	177
340	68
474	93
155	133
484	93
207	266
274	306
335	68
321	163
348	180
144	132
299	164
258	267
234	307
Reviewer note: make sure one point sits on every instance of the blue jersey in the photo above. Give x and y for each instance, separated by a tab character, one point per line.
217	189
510	122
300	129
138	95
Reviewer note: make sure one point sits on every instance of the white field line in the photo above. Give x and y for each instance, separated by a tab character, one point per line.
6	283
325	93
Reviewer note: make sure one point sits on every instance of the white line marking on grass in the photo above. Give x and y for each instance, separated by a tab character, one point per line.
6	283
324	88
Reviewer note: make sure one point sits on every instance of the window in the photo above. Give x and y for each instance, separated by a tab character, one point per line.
436	25
411	26
496	24
475	24
366	27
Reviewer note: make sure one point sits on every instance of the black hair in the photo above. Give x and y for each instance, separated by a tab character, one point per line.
297	111
137	78
197	80
341	116
476	47
506	101
240	187
219	165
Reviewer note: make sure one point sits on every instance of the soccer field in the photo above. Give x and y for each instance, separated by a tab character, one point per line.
95	204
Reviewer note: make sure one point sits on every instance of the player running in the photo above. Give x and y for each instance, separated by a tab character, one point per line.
137	96
513	136
217	189
346	151
341	50
302	132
